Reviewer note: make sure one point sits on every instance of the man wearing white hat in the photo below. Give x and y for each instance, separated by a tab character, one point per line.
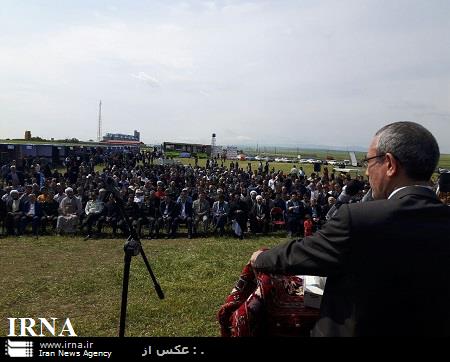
14	209
258	216
70	210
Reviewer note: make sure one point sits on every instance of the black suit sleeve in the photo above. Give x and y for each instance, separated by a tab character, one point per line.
325	253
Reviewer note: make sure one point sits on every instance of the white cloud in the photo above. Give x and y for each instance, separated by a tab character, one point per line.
153	82
272	70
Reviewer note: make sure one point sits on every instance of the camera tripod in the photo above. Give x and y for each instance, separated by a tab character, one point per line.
132	247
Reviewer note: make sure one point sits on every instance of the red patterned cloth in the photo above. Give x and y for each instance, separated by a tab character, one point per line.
266	305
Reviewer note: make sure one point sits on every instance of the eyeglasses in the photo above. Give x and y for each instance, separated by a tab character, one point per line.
365	161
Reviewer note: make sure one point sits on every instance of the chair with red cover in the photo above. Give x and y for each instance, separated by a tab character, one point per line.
277	218
266	305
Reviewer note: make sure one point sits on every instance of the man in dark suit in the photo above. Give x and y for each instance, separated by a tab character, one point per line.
295	212
388	260
238	212
258	216
149	214
15	177
32	213
168	209
184	213
220	211
15	209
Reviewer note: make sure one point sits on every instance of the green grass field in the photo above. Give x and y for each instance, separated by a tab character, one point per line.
67	277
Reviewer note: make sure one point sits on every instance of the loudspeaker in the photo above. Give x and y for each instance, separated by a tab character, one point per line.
444	182
317	167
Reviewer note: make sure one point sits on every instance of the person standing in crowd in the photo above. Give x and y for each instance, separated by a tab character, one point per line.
387	260
279	202
14	177
294	214
308	225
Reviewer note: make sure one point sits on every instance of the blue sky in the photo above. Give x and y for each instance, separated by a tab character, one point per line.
266	72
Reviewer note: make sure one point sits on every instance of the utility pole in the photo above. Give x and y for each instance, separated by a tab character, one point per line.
99	130
213	146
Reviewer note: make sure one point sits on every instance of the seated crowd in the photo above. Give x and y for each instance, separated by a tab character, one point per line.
159	199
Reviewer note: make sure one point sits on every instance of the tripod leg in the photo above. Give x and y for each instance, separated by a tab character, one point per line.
123	308
155	282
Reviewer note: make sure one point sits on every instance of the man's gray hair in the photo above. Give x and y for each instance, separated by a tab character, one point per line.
413	146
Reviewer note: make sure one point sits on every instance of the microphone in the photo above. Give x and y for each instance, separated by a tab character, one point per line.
353	187
444	182
368	196
348	191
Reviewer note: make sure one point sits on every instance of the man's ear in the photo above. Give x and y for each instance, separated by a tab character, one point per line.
392	165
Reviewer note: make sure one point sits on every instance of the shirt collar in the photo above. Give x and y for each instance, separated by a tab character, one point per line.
404	187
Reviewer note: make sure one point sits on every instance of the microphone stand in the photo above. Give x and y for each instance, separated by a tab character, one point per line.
132	247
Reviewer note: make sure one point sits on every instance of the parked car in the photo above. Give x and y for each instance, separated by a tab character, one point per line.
281	159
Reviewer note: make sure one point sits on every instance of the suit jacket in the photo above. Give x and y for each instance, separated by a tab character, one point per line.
279	203
150	208
23	205
204	207
254	211
20	176
387	263
2	209
37	208
234	207
299	211
172	208
187	208
215	208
